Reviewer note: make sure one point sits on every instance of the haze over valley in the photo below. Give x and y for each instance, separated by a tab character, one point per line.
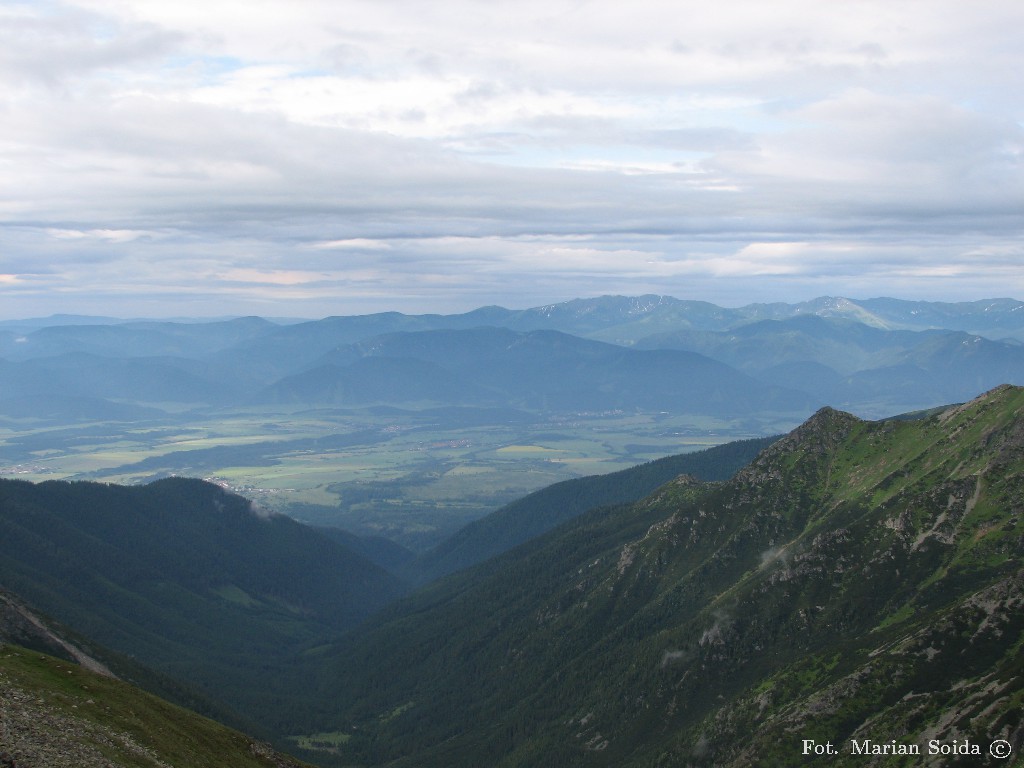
410	426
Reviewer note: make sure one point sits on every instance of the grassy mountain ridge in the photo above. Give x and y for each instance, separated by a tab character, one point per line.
857	580
547	508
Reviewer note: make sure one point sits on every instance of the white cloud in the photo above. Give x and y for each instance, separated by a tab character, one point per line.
106	235
355	243
466	153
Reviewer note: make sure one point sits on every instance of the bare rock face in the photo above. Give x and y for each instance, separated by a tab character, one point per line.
22	626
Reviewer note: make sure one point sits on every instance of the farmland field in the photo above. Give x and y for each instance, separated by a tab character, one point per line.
413	476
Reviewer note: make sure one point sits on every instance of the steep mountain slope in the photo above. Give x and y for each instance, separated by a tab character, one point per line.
859	580
387	554
22	625
61	715
188	579
549	507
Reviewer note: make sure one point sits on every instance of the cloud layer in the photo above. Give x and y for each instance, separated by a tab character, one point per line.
315	158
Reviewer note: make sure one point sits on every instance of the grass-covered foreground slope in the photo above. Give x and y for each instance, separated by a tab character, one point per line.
21	625
60	715
859	581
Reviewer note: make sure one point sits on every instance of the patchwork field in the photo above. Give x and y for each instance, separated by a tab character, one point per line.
413	476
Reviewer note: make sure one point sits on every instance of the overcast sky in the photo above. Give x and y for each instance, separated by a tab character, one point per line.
309	158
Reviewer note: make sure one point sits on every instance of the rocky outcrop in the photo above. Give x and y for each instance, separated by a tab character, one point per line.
59	715
20	625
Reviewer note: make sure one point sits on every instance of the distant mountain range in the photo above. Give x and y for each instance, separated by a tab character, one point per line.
536	370
849	364
649	353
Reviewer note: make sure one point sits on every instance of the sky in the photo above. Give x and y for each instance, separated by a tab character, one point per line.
308	158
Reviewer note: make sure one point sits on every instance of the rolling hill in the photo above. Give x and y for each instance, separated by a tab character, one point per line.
539	370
